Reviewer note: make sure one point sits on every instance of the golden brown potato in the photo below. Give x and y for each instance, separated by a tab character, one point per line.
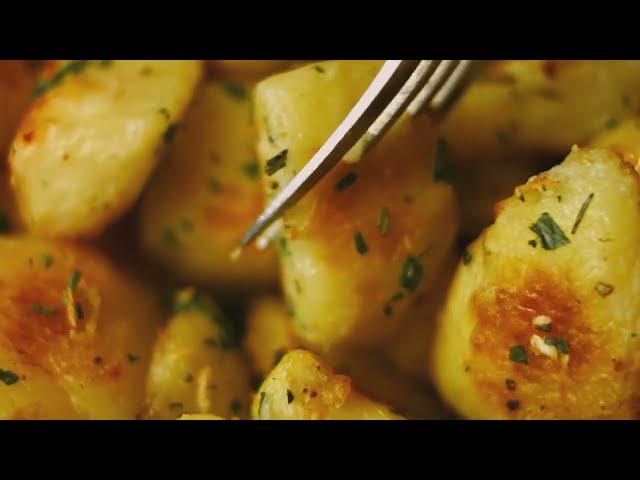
207	193
302	387
75	333
197	366
540	106
91	139
372	235
269	336
543	319
247	68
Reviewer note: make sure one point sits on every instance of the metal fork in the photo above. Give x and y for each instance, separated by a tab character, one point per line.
411	85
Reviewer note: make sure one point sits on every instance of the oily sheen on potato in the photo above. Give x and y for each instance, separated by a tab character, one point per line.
303	387
542	319
75	333
370	239
92	137
207	193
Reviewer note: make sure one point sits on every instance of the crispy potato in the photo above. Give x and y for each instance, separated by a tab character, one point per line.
248	68
269	336
196	365
207	194
302	387
542	321
348	280
71	346
540	106
91	139
269	333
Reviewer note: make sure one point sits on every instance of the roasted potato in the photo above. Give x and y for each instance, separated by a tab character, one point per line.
75	333
542	320
197	367
302	387
207	193
372	235
92	137
247	68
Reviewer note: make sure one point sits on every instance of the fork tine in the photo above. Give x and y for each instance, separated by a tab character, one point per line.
439	77
451	86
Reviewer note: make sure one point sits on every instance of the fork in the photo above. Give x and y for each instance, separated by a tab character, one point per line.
413	85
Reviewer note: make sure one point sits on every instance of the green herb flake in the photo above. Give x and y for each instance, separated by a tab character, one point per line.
71	68
165	113
74	280
78	310
466	257
213	186
384	221
175	405
170	133
513	404
236	406
444	170
361	246
290	397
346	181
8	377
412	273
611	123
236	91
132	357
42	310
533	243
510	383
319	69
251	170
545	328
104	64
170	237
46	259
518	354
276	163
4	222
551	235
560	344
581	212
388	307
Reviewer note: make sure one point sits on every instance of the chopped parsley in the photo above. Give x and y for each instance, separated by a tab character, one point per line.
466	257
560	344
346	181
513	404
581	212
361	246
74	280
611	123
46	259
235	90
42	310
71	68
132	357
170	237
251	170
78	311
290	397
175	405
105	63
551	235
412	273
510	383
8	377
165	113
603	289
384	221
533	243
276	163
319	69
4	222
388	308
170	132
518	354
444	170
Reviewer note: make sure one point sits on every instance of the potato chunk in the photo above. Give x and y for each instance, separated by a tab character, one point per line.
207	193
92	138
302	387
247	68
543	319
75	334
197	367
372	236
